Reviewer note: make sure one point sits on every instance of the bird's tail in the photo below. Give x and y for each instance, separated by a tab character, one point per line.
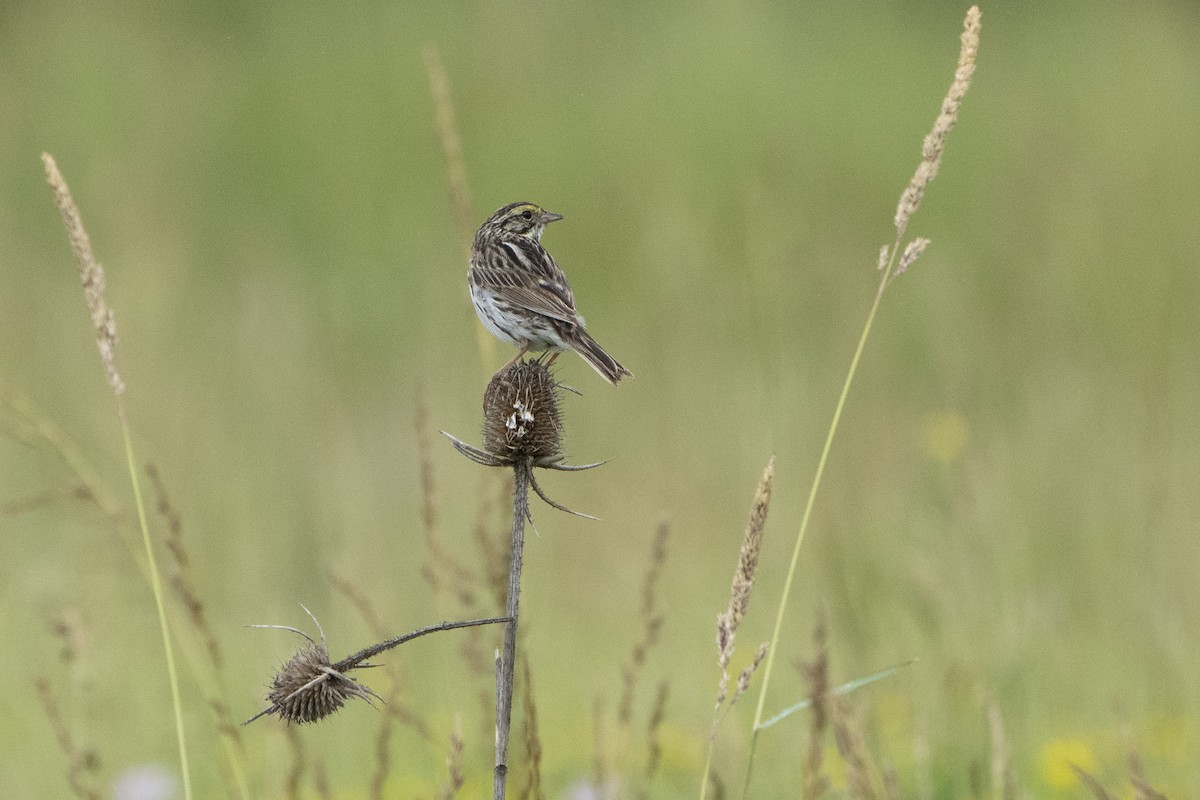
609	368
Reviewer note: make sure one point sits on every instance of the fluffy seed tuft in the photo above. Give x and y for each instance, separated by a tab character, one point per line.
935	140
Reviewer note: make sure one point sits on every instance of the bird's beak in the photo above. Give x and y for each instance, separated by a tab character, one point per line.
550	216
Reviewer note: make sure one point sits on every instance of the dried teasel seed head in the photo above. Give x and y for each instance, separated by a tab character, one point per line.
307	688
521	417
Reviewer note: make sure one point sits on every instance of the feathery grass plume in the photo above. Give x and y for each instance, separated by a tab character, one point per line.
860	774
935	140
743	577
103	322
909	202
83	764
743	681
310	687
1003	785
1097	789
652	622
533	744
729	619
90	273
912	252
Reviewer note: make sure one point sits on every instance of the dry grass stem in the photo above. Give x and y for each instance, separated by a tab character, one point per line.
67	627
90	273
935	141
891	783
816	675
34	429
1094	786
1003	785
860	774
383	752
181	580
293	779
743	577
922	758
533	745
1142	790
83	764
445	573
599	755
455	777
456	168
658	713
651	626
493	540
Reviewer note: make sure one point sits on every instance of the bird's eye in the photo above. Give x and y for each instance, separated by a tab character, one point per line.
527	214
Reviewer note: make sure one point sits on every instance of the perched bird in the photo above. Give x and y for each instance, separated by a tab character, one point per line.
521	295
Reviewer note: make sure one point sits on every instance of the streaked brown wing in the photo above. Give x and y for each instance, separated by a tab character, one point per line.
524	274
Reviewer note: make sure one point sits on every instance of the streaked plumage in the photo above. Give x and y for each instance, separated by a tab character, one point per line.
521	295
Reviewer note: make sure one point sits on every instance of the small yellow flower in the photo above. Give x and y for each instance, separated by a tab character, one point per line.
1057	757
944	435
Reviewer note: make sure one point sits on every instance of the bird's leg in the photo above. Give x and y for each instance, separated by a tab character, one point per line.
516	358
553	357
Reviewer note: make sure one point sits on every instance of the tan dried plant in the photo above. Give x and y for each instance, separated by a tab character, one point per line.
731	618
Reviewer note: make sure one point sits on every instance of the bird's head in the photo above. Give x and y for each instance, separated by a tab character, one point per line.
522	219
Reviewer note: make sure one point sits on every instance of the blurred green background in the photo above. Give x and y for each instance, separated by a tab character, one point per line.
1013	498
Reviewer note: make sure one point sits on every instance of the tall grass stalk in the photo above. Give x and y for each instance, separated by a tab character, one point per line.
92	276
891	263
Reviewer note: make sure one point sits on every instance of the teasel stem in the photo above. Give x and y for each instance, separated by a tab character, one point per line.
506	661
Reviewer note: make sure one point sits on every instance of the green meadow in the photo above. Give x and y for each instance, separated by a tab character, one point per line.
1012	498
